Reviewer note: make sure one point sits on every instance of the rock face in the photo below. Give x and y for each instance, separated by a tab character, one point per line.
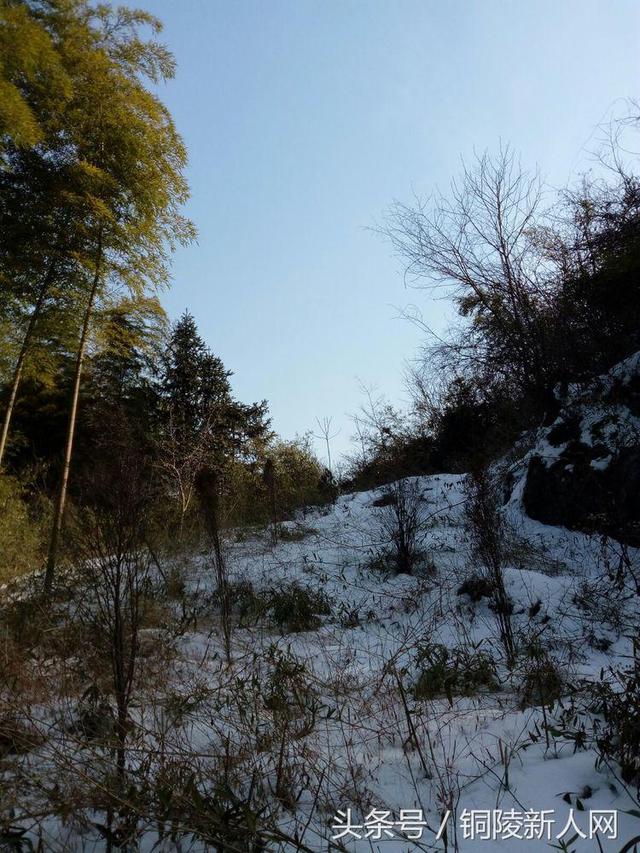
584	470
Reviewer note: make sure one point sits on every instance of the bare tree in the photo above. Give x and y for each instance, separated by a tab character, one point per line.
110	541
379	430
208	486
402	526
478	245
181	461
324	426
486	530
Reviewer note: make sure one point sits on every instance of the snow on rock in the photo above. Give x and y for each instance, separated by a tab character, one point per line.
583	470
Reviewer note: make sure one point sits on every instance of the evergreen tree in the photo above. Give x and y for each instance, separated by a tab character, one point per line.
192	377
204	428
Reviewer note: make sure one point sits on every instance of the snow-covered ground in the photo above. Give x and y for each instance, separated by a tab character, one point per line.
327	718
375	749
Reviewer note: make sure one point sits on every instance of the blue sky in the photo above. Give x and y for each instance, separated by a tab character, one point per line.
305	119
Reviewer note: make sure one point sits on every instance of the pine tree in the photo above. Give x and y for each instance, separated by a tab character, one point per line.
204	427
183	381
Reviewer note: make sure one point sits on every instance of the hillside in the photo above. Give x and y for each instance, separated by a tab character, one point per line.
279	575
351	687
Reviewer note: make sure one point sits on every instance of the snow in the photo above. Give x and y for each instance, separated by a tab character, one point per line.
354	666
604	422
372	744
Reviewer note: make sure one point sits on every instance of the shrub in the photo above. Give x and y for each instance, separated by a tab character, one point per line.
486	529
542	683
296	608
292	607
288	694
246	602
460	671
348	617
174	583
402	529
477	587
619	737
19	534
601	603
187	807
294	707
605	715
16	736
294	478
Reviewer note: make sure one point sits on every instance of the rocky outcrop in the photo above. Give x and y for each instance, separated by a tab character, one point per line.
584	469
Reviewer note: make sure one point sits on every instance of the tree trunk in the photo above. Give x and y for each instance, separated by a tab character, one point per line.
17	374
207	485
71	428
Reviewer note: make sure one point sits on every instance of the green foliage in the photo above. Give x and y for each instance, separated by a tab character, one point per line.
291	607
461	671
195	384
289	694
20	535
198	407
105	182
604	715
32	78
204	434
296	476
542	683
618	739
280	478
288	680
296	608
94	207
187	807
